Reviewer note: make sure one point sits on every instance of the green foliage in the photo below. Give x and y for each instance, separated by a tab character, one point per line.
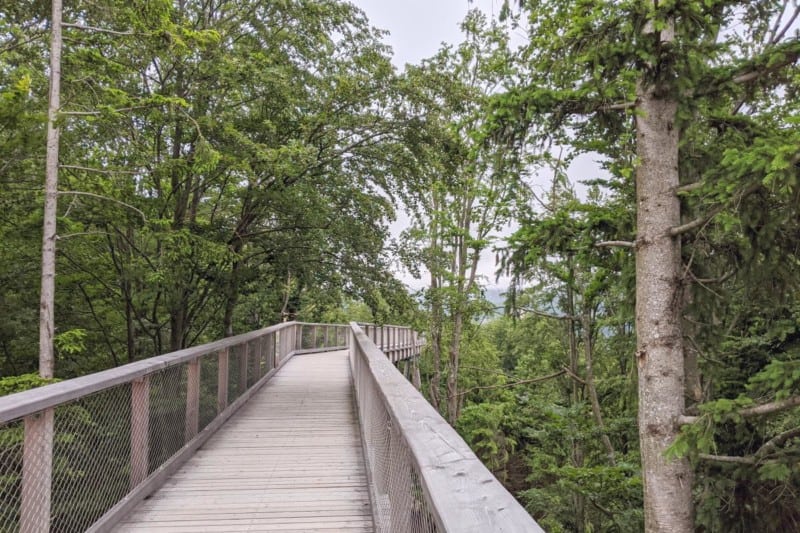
22	382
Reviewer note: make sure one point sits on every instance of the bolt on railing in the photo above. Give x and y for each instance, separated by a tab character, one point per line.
423	477
81	453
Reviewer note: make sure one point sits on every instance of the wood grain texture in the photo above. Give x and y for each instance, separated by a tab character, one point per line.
289	460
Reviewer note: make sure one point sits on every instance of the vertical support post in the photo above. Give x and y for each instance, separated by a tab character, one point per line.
325	340
298	337
140	430
37	472
243	364
222	380
314	337
192	399
270	351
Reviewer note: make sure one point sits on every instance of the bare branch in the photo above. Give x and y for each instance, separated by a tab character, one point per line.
547	315
96	29
689	187
92	195
97	170
694	224
617	107
574	376
757	410
612	244
727	459
99	113
778	440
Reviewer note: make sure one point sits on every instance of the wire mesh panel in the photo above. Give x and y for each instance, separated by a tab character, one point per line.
234	373
91	452
167	414
11	444
209	368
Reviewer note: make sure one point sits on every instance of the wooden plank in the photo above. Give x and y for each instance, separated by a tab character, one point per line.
290	460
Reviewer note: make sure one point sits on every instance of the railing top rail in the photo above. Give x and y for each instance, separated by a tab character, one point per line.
463	493
15	406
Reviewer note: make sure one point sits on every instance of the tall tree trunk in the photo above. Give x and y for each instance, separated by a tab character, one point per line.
659	345
47	295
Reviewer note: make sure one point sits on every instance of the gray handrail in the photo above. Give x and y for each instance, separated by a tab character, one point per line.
460	493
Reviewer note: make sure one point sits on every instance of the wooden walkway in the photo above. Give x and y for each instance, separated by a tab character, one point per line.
289	460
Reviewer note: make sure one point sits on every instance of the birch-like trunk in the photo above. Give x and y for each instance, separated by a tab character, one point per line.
659	350
47	295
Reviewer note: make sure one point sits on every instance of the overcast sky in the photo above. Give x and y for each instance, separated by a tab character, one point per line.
418	27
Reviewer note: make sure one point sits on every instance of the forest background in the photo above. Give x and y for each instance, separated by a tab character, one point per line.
229	164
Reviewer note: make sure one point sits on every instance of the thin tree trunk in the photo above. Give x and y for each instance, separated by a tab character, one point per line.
452	375
588	355
578	500
659	349
47	296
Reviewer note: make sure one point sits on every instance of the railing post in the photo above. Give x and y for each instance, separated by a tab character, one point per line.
37	472
222	380
192	399
298	337
243	362
270	355
140	430
325	340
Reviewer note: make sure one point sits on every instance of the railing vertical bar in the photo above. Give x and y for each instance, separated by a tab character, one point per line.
192	399
37	472
222	380
270	355
140	430
243	356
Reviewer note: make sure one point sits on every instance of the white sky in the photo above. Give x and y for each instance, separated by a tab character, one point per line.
418	27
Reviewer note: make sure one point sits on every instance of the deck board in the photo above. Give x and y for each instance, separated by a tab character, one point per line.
289	460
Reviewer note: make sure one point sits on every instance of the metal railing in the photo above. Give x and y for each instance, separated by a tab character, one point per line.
423	477
398	343
80	454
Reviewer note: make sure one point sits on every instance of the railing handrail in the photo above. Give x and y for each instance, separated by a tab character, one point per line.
21	404
463	494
